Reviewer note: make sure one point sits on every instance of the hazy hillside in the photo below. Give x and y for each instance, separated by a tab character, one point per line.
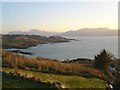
34	32
91	32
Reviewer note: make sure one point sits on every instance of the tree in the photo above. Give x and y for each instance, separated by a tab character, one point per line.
102	60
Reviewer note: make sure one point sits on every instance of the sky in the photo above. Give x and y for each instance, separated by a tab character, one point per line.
58	16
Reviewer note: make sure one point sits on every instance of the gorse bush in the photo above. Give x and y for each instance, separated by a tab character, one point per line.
13	60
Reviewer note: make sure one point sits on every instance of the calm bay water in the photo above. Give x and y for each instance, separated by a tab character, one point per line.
84	47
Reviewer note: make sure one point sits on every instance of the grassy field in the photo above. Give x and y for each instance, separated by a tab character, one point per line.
67	81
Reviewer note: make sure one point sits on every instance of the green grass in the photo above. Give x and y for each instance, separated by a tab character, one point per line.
13	82
67	81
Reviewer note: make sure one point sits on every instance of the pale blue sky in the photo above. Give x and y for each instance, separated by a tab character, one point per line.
58	16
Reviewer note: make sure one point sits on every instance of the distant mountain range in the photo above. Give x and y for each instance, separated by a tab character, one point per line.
91	32
79	32
34	32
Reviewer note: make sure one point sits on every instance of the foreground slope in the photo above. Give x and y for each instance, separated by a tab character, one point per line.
66	80
15	82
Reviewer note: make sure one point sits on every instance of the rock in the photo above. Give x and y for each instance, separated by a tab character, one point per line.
33	78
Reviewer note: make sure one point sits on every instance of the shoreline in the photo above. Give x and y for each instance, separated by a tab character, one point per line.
76	60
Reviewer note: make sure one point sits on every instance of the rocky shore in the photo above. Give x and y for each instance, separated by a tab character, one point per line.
18	51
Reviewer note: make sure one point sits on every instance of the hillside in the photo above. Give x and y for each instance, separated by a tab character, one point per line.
24	41
65	75
13	60
65	80
91	32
